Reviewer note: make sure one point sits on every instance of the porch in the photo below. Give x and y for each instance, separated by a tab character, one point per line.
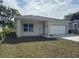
30	28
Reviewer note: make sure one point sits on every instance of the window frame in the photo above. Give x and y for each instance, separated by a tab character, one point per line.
29	28
74	25
78	24
25	28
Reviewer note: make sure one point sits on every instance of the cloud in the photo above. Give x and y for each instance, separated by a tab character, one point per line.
49	8
12	4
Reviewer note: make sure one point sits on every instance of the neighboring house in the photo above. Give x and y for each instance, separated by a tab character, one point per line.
74	26
40	26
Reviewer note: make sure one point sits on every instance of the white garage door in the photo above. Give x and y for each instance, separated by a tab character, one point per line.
57	29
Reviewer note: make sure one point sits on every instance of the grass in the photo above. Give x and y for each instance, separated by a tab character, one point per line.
40	48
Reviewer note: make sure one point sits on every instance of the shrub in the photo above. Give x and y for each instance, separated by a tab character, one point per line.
4	33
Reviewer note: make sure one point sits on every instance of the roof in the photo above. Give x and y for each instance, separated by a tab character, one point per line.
75	20
38	18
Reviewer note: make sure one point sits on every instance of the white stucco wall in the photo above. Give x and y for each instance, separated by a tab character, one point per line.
40	27
18	28
37	30
46	28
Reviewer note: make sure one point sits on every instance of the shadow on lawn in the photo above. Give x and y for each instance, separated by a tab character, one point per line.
12	39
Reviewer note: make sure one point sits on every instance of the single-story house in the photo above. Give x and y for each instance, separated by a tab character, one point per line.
41	26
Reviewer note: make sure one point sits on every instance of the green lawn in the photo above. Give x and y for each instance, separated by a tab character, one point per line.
51	48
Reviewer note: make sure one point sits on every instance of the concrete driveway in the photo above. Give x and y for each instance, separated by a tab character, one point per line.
72	37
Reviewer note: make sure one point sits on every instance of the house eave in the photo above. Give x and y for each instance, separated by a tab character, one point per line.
39	18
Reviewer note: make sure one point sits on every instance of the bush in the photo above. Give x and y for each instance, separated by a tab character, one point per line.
4	33
6	30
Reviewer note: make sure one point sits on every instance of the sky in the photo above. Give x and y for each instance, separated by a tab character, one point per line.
47	8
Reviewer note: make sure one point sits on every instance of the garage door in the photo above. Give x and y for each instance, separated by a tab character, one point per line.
57	29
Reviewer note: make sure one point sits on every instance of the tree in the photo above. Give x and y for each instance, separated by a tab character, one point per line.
68	17
76	16
71	17
1	1
6	14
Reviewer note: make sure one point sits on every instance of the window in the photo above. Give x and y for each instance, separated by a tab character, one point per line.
75	25
25	27
78	24
28	27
